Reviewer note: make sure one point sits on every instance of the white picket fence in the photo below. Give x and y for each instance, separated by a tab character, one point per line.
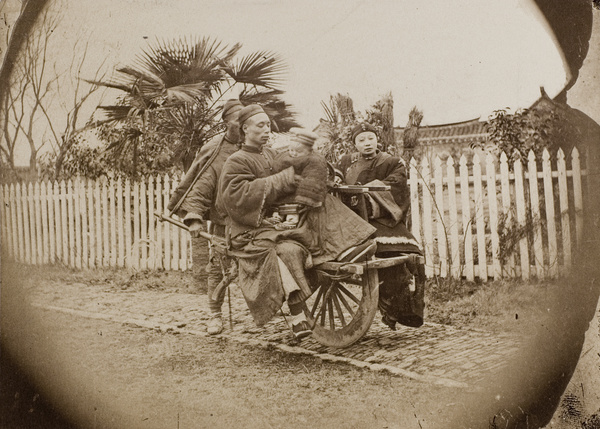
454	214
86	224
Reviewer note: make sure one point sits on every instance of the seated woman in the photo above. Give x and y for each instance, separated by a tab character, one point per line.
272	263
387	211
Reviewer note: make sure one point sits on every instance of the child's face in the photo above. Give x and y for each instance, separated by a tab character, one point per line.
298	149
366	143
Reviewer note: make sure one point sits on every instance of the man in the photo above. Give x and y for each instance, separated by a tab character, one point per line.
199	204
248	188
272	262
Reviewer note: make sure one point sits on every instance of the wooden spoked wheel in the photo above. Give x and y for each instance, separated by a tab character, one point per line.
341	311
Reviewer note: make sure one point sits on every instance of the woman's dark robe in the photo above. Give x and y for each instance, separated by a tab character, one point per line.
387	212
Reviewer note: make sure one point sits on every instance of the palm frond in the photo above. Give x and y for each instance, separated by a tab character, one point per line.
251	96
113	85
329	112
281	113
184	61
261	68
115	113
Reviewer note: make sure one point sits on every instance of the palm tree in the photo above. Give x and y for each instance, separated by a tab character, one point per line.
381	114
339	118
411	133
173	90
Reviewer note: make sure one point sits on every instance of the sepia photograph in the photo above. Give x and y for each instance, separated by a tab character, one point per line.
296	214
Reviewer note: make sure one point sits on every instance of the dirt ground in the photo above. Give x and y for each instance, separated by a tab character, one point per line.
107	375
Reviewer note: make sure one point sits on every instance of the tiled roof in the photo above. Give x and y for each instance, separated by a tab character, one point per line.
465	131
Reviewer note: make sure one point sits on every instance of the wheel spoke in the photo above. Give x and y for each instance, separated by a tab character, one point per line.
348	293
338	307
345	303
331	315
316	303
323	309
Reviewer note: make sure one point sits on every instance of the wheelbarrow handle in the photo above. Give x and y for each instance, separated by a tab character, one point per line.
182	225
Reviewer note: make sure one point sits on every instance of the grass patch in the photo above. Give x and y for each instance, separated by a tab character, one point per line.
117	278
500	305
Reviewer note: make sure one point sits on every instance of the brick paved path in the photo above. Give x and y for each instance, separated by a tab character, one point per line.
432	353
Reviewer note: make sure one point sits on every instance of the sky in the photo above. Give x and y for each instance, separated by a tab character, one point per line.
454	60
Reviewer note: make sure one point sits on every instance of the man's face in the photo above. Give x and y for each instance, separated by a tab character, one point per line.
233	128
257	129
366	143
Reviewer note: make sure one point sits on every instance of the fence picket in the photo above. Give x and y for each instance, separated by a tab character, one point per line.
20	222
428	242
466	219
105	222
521	218
577	195
98	224
166	225
159	227
37	207
44	215
120	227
58	221
85	235
151	222
550	214
5	219
490	170
136	226
51	197
538	248
64	229
28	223
128	233
13	216
113	223
442	237
563	195
143	224
5	237
479	219
77	215
509	262
71	223
7	245
32	219
91	211
176	234
454	250
415	213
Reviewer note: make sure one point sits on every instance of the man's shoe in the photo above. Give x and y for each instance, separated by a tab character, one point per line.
214	325
301	330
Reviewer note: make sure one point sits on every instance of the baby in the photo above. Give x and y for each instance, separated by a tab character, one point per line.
297	148
313	172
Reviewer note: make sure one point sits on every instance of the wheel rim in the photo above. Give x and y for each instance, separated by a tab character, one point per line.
342	312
